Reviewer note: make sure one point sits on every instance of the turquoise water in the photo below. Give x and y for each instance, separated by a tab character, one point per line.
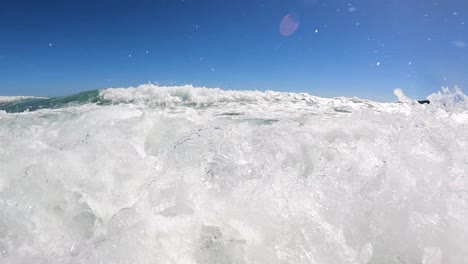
32	104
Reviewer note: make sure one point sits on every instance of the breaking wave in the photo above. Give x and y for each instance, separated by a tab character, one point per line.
158	96
195	175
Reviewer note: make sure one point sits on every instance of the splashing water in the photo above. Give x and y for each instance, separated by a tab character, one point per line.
196	175
401	96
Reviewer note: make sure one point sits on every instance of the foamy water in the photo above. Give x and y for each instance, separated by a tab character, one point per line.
7	99
197	175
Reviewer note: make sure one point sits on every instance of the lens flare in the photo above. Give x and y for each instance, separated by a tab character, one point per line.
289	25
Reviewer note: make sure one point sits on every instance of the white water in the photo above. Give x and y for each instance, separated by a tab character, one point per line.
235	177
6	99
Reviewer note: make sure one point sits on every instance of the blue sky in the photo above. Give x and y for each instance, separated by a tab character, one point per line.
339	48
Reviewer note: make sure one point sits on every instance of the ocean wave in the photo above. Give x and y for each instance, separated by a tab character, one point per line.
188	95
197	175
152	95
8	99
155	95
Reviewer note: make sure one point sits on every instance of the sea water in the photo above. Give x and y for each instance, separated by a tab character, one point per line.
194	175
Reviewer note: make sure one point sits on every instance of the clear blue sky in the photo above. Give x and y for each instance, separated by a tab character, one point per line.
351	48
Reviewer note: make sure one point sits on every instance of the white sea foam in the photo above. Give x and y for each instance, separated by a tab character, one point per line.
6	99
187	94
197	175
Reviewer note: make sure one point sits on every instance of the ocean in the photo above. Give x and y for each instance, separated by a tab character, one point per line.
183	174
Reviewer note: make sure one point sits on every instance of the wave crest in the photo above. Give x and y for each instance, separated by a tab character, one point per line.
188	95
449	99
